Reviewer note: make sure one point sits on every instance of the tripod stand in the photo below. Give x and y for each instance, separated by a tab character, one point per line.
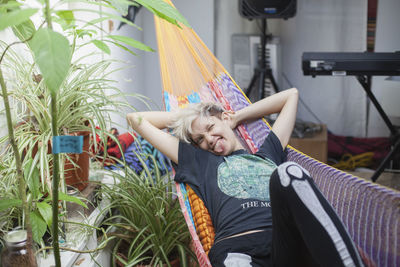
262	71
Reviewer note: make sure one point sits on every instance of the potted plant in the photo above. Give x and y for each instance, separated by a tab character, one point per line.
52	54
147	220
83	103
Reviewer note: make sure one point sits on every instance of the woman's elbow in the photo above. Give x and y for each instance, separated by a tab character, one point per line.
133	119
294	91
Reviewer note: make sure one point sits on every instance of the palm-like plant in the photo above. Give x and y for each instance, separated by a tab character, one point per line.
83	105
148	222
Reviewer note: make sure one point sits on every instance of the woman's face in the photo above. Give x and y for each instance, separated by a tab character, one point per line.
215	135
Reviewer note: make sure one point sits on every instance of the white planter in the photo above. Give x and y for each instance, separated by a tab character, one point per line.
82	241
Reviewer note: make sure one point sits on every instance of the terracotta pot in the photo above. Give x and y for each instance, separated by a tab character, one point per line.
78	177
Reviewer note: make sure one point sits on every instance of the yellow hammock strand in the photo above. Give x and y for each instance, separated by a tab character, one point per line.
185	61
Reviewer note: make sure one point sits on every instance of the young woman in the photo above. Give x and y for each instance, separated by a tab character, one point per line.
265	211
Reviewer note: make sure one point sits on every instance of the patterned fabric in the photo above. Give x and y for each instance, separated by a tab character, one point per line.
140	152
245	176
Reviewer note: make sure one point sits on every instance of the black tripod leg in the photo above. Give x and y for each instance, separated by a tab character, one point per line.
388	157
253	80
261	85
272	79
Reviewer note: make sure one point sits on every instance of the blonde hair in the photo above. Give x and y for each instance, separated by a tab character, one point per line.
182	124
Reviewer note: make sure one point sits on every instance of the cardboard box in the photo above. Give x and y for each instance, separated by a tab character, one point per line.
315	146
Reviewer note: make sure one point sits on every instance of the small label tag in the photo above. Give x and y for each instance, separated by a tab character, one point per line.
67	144
339	73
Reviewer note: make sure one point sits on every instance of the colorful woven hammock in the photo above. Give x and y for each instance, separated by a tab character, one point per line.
190	74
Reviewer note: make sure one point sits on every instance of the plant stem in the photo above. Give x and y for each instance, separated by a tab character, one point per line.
56	160
47	14
56	182
18	163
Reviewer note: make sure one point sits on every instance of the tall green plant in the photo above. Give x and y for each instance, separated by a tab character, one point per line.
52	54
21	182
149	218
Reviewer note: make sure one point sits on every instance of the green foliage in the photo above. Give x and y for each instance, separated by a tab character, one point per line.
76	200
149	221
46	212
82	99
15	17
52	55
163	10
31	175
76	93
102	46
24	30
39	226
9	203
131	42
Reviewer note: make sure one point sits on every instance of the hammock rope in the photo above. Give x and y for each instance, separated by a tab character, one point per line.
191	73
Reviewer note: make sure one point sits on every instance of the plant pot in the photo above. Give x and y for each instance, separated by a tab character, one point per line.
78	177
121	252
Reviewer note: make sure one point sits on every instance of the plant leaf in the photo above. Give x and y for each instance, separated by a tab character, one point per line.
131	42
8	203
121	6
82	33
65	197
16	17
31	175
53	56
39	226
8	6
24	30
46	212
102	46
163	10
123	47
67	16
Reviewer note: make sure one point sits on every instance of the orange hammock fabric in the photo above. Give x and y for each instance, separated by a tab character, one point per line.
190	74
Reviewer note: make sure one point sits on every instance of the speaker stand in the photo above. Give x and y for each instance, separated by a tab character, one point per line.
262	71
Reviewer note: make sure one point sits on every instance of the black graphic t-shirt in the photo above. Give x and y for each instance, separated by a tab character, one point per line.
234	188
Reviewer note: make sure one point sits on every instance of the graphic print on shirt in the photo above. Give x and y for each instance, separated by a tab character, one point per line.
245	176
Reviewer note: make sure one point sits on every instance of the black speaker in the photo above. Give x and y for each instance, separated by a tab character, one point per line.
260	9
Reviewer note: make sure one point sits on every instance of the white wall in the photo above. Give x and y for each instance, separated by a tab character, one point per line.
8	37
326	26
387	92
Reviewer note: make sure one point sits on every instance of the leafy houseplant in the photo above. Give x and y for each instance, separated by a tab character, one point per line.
53	53
148	222
82	105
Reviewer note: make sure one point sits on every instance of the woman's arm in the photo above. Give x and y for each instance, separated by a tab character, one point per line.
284	103
150	124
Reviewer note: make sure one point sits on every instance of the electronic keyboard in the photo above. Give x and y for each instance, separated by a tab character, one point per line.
351	63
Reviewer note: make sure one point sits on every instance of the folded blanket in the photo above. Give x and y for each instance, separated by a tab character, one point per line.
147	153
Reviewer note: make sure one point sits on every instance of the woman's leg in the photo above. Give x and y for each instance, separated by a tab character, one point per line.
306	229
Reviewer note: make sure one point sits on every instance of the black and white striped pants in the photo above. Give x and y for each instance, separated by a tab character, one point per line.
306	230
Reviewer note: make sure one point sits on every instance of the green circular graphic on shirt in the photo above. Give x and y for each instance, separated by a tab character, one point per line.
245	176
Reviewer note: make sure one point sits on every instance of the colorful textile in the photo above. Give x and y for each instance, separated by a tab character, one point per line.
140	152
